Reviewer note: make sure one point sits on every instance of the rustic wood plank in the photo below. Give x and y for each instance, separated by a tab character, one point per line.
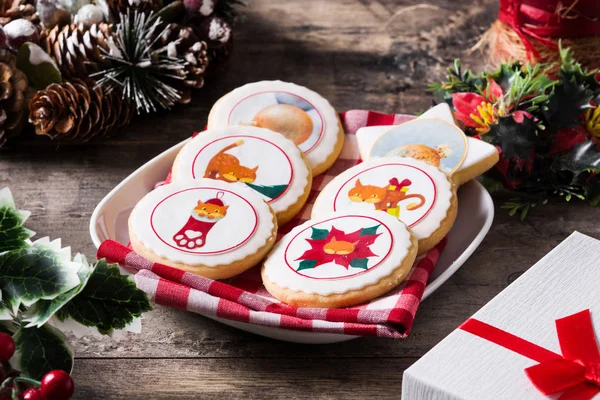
240	378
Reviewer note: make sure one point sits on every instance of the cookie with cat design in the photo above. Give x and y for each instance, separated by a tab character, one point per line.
301	115
255	158
341	260
203	226
415	192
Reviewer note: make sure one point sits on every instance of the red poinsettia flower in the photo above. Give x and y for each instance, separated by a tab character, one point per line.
477	111
340	248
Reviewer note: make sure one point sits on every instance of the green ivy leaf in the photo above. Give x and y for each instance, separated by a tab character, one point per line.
108	301
5	311
42	271
306	264
359	263
40	312
319	234
40	350
12	233
369	231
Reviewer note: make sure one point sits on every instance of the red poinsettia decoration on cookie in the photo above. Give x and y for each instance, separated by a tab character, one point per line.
345	249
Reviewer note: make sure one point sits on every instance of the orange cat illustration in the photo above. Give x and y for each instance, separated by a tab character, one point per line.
211	211
340	247
385	197
226	167
203	218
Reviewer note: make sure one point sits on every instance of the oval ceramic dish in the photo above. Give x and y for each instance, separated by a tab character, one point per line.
475	215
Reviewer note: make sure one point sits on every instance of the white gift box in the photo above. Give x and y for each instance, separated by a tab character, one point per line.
468	367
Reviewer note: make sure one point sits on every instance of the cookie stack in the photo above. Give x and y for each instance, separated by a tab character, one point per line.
252	171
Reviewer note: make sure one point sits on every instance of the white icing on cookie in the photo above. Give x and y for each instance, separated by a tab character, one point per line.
202	222
340	253
476	150
413	191
306	117
258	158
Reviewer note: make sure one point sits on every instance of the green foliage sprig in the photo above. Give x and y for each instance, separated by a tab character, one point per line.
41	282
546	126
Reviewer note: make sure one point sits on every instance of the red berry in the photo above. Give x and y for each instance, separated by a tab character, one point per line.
57	385
33	394
7	347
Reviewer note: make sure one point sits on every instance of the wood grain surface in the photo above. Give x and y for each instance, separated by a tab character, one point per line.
367	54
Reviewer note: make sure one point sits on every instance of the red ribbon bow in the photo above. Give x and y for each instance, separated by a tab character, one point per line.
546	19
575	373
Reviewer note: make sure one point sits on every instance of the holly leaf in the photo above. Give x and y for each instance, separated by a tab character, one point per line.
359	263
566	103
40	312
13	235
369	231
583	158
514	138
319	234
40	350
107	301
306	264
40	272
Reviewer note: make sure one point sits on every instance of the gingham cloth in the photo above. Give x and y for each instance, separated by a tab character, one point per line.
244	298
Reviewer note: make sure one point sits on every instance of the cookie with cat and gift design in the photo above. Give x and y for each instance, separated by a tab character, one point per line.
255	158
413	191
204	226
300	114
340	260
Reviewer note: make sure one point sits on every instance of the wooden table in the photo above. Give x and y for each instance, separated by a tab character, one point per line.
368	54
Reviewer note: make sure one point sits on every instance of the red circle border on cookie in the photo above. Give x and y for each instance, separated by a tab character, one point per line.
393	164
293	94
257	138
209	252
331	219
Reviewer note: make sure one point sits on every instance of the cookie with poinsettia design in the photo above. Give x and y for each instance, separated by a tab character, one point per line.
419	194
256	158
204	226
301	115
341	260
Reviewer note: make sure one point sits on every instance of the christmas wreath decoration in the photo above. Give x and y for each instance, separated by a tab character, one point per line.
43	287
546	127
79	69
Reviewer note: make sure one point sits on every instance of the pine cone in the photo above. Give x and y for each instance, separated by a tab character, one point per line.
182	42
117	7
13	85
76	110
76	49
16	9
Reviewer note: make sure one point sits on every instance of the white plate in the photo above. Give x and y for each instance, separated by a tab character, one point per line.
475	215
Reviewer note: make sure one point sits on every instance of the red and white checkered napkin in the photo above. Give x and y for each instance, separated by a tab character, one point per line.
244	298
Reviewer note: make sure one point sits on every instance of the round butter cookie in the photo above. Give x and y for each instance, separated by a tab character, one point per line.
340	261
250	157
419	194
204	226
301	115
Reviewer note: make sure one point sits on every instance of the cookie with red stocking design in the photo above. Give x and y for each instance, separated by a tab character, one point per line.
204	226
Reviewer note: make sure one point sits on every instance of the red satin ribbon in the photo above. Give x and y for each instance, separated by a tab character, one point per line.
575	373
546	19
